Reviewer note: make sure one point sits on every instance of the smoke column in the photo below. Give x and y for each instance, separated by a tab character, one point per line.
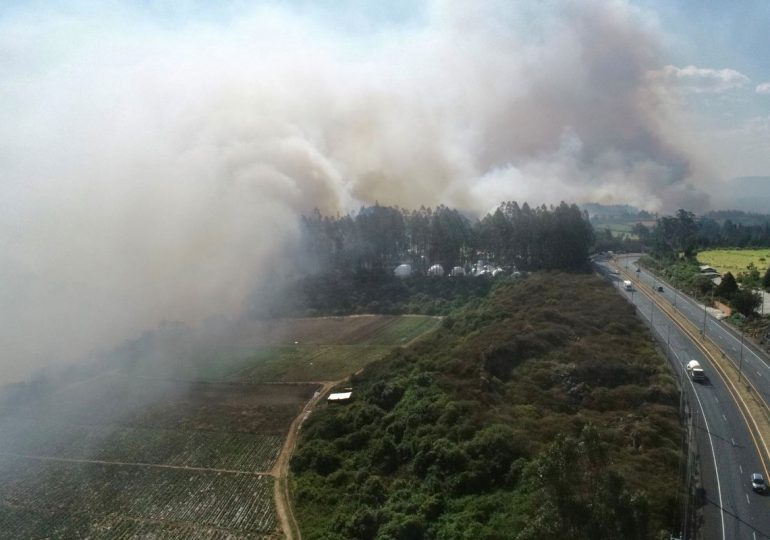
154	161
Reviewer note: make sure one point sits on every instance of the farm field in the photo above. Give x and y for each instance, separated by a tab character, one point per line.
318	349
735	260
198	449
181	440
237	503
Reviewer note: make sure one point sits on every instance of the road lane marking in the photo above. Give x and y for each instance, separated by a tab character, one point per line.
713	455
723	416
747	498
717	325
741	468
730	385
733	441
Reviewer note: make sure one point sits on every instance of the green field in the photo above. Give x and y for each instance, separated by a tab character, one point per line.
735	260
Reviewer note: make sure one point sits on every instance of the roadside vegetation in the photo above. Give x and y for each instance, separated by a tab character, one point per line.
678	245
541	412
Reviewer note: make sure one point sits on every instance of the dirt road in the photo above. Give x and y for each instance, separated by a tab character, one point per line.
280	470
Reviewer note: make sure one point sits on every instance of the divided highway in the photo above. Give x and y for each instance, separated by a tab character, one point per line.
753	363
728	453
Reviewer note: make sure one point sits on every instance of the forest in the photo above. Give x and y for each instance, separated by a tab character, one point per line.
513	236
349	261
685	232
542	411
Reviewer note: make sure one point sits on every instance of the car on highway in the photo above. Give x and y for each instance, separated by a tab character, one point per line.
660	288
758	483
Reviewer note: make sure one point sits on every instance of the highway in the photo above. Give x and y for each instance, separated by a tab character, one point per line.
728	456
753	363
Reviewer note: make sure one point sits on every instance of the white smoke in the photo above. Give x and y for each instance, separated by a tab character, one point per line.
153	165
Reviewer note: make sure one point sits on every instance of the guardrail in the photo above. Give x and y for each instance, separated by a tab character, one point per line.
748	399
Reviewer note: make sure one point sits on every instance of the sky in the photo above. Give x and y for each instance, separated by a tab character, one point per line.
156	156
731	121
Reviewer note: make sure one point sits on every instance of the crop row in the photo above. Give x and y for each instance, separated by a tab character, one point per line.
218	450
23	523
238	502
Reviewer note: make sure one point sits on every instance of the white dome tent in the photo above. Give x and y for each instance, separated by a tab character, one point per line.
403	271
436	270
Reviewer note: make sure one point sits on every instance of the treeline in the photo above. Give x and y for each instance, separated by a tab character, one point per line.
513	236
686	233
542	412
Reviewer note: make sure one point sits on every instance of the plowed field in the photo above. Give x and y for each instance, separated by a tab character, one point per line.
180	441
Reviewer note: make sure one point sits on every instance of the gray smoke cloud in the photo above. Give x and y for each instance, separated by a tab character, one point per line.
153	164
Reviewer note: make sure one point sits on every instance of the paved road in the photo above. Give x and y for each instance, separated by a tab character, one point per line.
754	364
727	455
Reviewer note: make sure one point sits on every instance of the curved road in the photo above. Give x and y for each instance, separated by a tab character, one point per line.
731	510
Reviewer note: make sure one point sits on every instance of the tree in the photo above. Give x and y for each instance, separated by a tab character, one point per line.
746	301
766	279
728	286
750	277
642	232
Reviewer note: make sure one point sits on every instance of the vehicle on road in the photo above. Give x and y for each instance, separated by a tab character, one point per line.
660	289
695	371
758	483
628	285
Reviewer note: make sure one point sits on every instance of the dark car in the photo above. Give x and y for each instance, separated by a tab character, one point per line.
660	289
758	483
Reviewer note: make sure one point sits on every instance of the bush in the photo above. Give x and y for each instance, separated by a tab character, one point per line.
746	302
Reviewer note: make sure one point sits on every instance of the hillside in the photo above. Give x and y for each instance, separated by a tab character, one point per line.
543	411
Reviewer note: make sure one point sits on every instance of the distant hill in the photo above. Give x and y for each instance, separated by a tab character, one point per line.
738	217
609	210
602	215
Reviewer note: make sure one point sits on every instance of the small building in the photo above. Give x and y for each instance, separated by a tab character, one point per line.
706	269
339	397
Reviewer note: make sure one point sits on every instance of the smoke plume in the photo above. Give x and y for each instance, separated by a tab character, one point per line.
154	161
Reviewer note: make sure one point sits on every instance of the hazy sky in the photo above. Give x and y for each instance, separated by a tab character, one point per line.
155	156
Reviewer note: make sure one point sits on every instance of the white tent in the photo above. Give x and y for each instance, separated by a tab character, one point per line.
436	270
403	270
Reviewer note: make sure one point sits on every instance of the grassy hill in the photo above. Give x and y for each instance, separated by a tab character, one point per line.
543	411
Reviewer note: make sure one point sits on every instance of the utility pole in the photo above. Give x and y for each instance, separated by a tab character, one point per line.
705	313
652	311
740	366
